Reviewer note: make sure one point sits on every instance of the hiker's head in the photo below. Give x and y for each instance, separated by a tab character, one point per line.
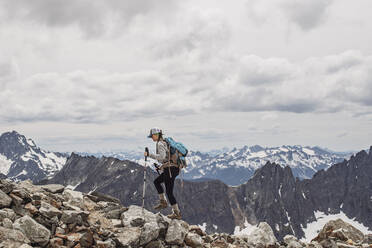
156	134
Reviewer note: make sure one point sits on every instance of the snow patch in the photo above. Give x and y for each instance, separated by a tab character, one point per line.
5	164
203	227
313	228
246	230
308	151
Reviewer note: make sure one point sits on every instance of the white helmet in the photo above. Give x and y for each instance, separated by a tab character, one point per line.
154	131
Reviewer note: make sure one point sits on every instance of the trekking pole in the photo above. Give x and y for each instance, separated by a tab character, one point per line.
144	180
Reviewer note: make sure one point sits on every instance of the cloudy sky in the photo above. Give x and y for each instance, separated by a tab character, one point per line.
96	75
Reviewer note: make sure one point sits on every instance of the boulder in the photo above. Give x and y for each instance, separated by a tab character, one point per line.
5	200
35	232
7	223
194	240
149	232
102	197
176	232
135	216
53	188
13	235
155	244
128	237
49	211
339	229
72	216
74	197
263	235
6	186
109	243
7	213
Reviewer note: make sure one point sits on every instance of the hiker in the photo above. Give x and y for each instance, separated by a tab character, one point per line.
168	175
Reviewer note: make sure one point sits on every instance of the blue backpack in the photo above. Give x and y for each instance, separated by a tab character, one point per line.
180	149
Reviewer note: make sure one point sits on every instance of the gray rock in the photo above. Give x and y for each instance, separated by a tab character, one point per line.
193	240
263	235
155	244
7	223
35	232
109	243
71	216
5	200
7	213
294	244
128	237
176	232
367	239
149	232
135	216
13	235
288	238
6	186
49	211
335	228
53	188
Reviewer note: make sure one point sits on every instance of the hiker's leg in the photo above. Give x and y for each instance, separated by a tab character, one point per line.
157	183
169	185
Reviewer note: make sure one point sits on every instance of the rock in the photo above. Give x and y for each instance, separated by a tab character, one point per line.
193	240
73	197
71	216
6	186
288	238
196	229
25	246
176	232
5	200
53	188
7	223
155	244
328	243
128	237
7	213
220	243
339	227
150	231
343	245
12	244
35	232
263	235
56	242
314	244
60	230
115	213
49	211
87	239
367	239
109	243
106	198
13	235
16	199
31	208
294	244
22	193
134	216
116	223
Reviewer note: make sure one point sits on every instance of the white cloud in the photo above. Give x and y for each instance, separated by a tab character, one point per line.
330	84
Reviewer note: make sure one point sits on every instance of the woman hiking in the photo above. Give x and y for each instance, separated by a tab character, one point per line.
168	176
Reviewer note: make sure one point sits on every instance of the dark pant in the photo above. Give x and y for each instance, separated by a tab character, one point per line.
165	178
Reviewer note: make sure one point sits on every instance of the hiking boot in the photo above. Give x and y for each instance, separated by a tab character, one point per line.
175	215
162	204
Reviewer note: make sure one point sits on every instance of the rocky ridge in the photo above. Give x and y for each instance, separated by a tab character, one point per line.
54	216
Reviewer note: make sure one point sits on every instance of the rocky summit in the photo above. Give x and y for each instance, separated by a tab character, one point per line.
54	216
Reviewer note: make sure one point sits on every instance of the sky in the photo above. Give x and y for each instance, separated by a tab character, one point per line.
79	75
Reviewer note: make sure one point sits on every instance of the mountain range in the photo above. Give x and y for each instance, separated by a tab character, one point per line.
236	166
21	158
273	194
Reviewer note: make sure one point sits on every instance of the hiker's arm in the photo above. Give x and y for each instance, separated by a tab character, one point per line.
162	149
